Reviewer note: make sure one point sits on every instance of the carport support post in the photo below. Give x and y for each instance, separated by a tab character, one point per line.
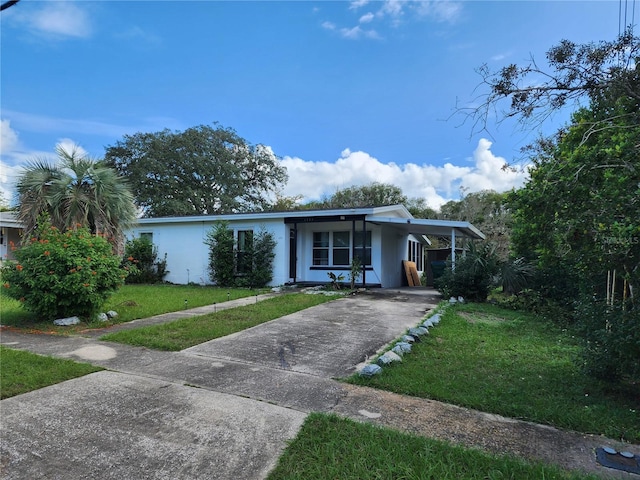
453	249
364	252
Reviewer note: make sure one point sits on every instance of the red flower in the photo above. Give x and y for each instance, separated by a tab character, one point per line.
6	285
19	267
46	253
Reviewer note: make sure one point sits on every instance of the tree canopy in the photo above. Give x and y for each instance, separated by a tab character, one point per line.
202	170
76	191
530	92
486	210
374	194
578	219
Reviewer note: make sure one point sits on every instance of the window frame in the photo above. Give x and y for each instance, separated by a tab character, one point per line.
330	247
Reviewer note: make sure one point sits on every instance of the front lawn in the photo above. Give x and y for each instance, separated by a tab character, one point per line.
514	364
187	332
22	372
330	447
130	302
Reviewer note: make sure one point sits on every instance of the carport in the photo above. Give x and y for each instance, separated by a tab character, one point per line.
426	228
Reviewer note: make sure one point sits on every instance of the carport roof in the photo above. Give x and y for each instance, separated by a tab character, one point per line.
428	227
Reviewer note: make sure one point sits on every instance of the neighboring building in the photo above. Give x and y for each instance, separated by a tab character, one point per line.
10	233
310	243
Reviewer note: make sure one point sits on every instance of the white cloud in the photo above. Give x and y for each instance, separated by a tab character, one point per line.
68	126
328	25
56	19
8	137
397	12
14	157
441	11
355	4
395	8
357	32
367	17
436	184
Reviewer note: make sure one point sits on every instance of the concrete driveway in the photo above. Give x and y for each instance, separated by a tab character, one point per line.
224	409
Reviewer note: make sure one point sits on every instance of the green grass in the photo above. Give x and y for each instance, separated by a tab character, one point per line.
131	302
187	332
22	372
513	364
329	447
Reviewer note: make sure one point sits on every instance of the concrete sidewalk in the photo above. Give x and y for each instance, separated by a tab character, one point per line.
226	408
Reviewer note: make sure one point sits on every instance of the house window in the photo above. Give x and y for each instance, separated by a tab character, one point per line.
321	248
357	243
341	248
415	254
147	236
335	248
243	251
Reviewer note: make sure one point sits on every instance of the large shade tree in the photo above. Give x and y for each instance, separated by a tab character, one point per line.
375	194
202	170
76	191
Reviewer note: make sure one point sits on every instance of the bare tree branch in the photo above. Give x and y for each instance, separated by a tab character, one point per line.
9	3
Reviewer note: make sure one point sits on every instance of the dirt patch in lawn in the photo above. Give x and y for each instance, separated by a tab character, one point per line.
485	318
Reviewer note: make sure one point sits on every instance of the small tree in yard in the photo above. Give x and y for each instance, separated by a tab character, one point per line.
141	259
251	267
60	274
262	256
221	261
473	274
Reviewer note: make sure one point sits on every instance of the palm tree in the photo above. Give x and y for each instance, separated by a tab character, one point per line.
77	191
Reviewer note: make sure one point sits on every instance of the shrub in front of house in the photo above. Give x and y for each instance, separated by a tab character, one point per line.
240	264
472	276
61	274
141	258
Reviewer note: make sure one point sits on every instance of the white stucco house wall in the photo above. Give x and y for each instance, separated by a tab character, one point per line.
310	243
10	233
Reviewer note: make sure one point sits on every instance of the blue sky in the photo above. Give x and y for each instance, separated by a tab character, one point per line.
343	92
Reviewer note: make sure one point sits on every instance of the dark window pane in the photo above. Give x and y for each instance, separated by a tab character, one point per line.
321	256
341	256
367	256
341	239
357	239
320	239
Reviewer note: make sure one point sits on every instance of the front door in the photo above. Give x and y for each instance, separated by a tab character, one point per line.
293	253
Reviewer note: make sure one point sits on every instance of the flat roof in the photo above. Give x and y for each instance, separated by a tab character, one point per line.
423	226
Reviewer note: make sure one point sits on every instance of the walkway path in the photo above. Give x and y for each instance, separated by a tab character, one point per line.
226	408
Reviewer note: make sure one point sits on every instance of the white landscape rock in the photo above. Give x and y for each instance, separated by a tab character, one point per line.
389	357
66	322
370	370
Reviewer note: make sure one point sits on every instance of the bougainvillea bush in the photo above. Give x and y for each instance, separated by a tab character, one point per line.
61	274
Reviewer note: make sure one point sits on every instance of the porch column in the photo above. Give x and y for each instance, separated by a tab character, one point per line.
453	249
364	253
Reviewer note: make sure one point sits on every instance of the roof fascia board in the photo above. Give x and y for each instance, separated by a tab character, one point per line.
464	228
338	212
